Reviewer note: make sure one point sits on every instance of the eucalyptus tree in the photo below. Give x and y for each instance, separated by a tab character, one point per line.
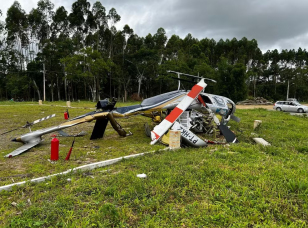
208	48
233	54
113	18
2	25
231	80
60	24
253	63
88	66
17	41
3	59
188	42
122	77
274	70
133	44
160	40
45	8
173	46
301	71
220	49
41	23
77	19
35	74
16	25
100	19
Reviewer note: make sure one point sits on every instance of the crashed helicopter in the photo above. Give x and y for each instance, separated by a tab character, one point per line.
191	112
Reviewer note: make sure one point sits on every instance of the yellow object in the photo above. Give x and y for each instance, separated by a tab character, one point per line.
165	139
157	119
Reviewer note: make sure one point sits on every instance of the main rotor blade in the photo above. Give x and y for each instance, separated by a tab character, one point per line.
161	129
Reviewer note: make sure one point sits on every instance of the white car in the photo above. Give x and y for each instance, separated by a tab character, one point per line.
290	106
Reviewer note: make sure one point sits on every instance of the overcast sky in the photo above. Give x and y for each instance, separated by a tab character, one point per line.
280	24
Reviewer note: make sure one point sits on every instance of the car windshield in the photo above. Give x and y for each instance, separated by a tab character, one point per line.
296	103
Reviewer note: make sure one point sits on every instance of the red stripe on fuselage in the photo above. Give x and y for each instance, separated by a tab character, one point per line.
195	90
174	114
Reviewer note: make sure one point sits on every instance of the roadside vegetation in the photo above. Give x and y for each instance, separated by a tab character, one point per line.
236	185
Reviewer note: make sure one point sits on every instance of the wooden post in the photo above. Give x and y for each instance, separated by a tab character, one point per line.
174	139
256	124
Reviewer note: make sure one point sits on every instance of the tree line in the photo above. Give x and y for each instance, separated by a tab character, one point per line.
83	56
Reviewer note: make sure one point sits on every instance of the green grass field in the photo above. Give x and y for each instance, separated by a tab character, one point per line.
239	185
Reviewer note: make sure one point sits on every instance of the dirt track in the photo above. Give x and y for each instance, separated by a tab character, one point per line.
254	106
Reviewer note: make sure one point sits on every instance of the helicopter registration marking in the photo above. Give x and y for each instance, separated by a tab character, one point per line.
188	135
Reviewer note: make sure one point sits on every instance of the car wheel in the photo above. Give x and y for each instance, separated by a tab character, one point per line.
300	110
278	109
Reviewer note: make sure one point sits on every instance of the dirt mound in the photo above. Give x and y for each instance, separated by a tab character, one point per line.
255	101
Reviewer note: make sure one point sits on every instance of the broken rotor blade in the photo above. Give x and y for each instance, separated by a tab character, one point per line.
40	120
30	124
161	129
227	133
235	118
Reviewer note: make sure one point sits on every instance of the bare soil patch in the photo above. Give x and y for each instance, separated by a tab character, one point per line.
254	106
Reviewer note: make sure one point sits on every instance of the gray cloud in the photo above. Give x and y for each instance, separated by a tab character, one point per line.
277	24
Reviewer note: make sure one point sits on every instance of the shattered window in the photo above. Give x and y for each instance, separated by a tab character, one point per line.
206	99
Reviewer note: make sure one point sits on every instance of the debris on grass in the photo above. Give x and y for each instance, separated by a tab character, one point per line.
142	175
14	204
261	141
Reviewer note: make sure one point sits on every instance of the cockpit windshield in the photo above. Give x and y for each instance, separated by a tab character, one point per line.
219	101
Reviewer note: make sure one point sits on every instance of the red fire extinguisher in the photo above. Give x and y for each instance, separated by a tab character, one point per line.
66	115
54	155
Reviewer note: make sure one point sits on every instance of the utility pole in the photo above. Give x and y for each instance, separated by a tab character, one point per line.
65	83
288	91
44	81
